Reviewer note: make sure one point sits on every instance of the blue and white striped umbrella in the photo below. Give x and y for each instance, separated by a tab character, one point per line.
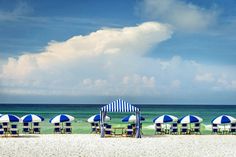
165	119
61	118
32	118
6	118
190	119
224	119
131	118
96	118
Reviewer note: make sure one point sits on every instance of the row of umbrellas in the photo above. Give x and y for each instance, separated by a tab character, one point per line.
223	119
183	120
130	118
34	118
58	119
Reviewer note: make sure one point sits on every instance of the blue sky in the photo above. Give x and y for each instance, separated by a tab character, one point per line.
173	51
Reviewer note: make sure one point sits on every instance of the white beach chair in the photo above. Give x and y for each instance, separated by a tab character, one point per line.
26	128
184	129
97	128
108	130
215	129
174	129
2	133
5	127
36	128
57	128
68	128
197	128
93	128
14	130
233	128
130	131
158	128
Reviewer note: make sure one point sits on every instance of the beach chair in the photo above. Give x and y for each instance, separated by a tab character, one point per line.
5	126
97	128
184	129
36	124
14	130
93	128
57	131
174	129
133	125
233	128
57	128
134	128
26	128
108	130
129	131
36	128
1	131
196	128
158	129
68	129
215	129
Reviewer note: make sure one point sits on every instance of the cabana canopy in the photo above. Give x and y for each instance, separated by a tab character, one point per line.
120	106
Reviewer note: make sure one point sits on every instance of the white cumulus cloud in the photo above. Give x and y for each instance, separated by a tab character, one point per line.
182	15
112	62
91	63
126	41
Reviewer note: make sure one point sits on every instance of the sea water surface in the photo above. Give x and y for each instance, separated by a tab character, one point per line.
82	112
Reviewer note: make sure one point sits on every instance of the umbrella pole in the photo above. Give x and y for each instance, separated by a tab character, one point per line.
166	128
224	129
31	127
189	128
62	129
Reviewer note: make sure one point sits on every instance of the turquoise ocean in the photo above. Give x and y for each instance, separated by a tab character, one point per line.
82	112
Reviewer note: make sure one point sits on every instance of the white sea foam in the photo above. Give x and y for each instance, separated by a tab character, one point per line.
207	126
150	126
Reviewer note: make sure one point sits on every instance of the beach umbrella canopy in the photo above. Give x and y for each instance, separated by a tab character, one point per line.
32	118
61	118
224	119
6	118
131	118
190	119
96	118
165	119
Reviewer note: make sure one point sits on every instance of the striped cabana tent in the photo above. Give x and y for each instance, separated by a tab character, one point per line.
120	106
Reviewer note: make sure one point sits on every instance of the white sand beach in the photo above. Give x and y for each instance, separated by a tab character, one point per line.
92	145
